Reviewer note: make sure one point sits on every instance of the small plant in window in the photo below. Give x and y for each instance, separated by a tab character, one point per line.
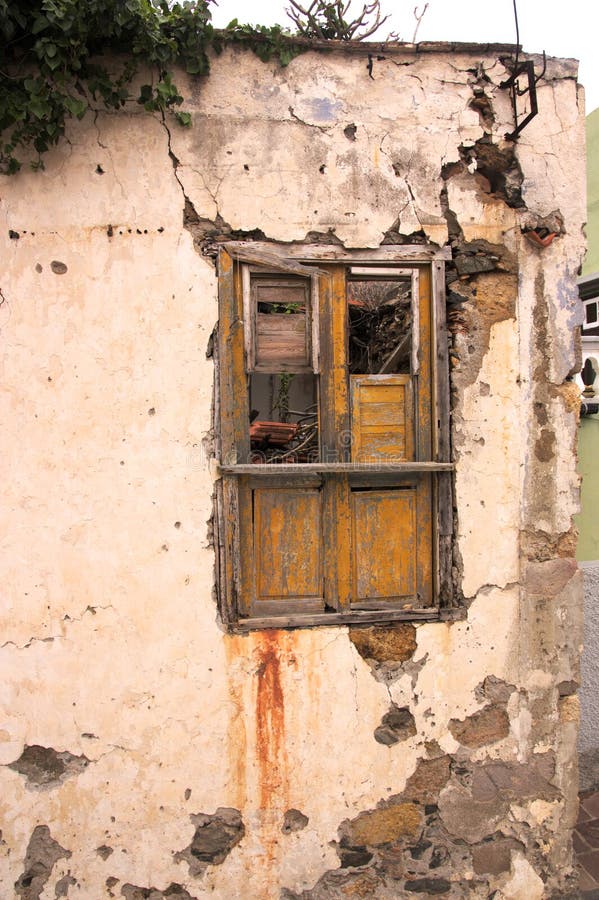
282	402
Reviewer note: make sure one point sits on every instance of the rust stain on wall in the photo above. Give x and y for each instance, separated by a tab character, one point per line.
270	719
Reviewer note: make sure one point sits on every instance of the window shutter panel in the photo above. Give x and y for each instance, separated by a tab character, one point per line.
382	418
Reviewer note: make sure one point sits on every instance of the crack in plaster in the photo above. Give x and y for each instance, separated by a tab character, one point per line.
411	203
213	194
55	637
355	679
487	588
324	129
97	127
174	160
176	163
321	650
110	156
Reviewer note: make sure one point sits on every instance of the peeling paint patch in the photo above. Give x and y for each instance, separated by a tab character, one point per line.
43	852
384	825
63	884
386	644
339	885
294	820
214	838
172	892
499	165
487	726
46	767
495	690
396	725
493	855
428	780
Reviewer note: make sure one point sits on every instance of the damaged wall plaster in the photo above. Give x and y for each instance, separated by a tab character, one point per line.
146	754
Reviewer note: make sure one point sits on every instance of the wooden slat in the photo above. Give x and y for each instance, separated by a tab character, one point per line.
382	418
248	320
425	538
423	382
302	607
334	396
288	544
267	256
441	353
233	433
281	344
315	306
416	336
335	437
244	572
444	493
444	483
280	340
352	617
337	542
234	408
384	545
293	479
284	469
261	250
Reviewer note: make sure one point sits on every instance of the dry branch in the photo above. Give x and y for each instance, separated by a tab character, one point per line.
326	19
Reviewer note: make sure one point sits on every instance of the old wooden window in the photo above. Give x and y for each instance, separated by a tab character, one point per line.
334	502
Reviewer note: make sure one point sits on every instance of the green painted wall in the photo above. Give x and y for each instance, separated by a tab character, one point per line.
591	263
588	466
587	521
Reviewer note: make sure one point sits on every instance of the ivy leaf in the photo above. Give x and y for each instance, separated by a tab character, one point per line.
76	107
39	107
183	118
39	25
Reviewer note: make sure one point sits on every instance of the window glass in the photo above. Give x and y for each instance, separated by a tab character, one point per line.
591	312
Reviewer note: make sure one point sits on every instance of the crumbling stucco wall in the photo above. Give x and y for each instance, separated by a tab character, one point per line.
145	753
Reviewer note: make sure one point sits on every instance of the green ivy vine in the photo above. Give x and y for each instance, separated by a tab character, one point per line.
53	61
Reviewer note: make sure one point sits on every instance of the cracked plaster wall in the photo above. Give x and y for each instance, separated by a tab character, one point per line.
112	653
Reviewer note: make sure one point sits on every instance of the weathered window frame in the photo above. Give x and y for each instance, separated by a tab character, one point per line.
241	482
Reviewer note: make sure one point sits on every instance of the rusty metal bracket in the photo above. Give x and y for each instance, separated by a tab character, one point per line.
522	68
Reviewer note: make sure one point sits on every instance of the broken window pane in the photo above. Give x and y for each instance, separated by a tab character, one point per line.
380	326
284	418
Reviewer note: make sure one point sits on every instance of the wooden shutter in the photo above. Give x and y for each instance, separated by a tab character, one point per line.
382	412
287	549
280	320
392	546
